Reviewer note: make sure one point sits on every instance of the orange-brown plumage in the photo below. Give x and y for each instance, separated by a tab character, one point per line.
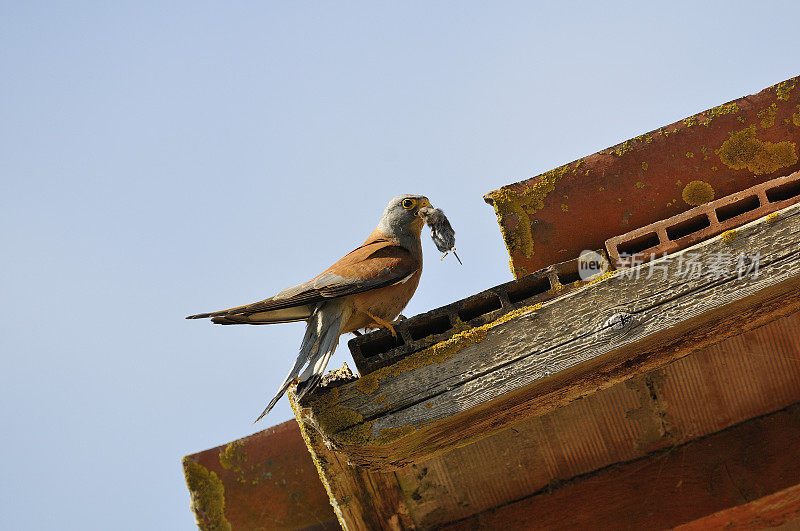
367	288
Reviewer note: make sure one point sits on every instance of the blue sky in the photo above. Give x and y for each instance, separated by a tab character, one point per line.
160	159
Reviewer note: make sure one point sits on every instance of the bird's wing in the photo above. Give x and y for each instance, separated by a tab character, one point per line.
376	264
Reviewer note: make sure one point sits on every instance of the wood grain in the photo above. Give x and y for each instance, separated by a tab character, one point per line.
569	348
728	469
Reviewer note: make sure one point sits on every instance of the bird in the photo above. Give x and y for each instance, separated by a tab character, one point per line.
367	288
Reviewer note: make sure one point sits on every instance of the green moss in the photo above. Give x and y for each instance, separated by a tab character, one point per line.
208	496
697	193
744	151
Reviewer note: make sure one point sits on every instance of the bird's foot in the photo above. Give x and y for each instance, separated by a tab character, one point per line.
383	323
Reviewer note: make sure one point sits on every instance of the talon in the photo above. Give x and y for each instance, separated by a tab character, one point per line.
356	333
381	323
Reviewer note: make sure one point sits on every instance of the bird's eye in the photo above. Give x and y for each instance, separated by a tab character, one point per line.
408	204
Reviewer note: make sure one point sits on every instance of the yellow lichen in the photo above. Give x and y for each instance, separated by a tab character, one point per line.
639	184
514	223
644	166
689	122
370	383
719	110
380	399
729	235
604	276
233	456
771	218
515	207
338	417
310	438
768	116
697	193
356	432
796	117
387	435
208	496
744	151
784	89
564	207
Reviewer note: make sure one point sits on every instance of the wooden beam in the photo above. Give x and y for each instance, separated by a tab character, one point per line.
361	500
532	361
730	468
779	509
743	377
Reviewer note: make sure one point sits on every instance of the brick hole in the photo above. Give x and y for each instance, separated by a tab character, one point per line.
738	208
639	244
479	306
380	345
784	191
429	327
684	228
528	287
570	274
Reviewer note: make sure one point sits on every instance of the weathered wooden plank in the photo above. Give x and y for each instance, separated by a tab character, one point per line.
738	465
362	500
746	376
544	346
769	512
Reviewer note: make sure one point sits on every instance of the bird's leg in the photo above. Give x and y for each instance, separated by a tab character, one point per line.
357	333
380	322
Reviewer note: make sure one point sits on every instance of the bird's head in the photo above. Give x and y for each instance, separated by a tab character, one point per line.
401	215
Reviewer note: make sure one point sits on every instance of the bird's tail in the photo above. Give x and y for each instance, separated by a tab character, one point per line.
316	367
319	342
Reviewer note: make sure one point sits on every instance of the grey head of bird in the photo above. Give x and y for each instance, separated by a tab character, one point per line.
400	218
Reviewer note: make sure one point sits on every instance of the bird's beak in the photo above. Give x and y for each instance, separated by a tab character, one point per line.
422	204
